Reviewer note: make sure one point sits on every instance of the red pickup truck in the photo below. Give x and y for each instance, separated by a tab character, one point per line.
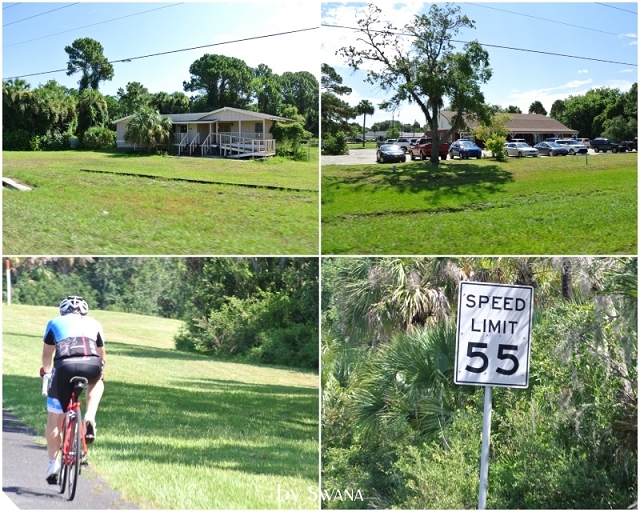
422	149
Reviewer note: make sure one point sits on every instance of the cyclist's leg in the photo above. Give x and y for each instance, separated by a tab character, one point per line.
54	433
91	368
94	394
95	391
53	429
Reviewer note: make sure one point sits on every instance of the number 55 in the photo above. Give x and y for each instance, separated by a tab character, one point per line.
473	352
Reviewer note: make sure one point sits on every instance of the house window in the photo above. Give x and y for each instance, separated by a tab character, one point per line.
258	128
224	127
183	128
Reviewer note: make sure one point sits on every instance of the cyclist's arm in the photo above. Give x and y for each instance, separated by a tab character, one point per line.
47	356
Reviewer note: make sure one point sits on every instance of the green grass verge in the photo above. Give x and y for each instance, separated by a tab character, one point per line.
522	206
177	430
74	212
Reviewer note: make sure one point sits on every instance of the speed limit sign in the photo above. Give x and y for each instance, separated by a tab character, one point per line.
494	335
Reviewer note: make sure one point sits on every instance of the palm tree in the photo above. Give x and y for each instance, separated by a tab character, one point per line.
93	110
17	102
378	297
365	107
148	129
410	379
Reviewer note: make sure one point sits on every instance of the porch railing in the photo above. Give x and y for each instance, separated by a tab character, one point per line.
194	143
238	144
181	141
205	143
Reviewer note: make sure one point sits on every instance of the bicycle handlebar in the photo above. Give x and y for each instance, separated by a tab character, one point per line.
45	384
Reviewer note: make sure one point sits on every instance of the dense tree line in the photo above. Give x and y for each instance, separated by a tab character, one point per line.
254	309
601	112
46	117
395	426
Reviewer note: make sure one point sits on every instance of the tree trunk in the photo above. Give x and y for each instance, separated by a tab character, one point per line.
435	139
566	279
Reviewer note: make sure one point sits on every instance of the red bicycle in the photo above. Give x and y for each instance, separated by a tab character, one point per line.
73	450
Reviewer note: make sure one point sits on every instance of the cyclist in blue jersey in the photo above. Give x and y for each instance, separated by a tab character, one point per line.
73	346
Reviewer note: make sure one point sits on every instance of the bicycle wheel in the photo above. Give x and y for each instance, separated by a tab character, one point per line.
64	448
75	453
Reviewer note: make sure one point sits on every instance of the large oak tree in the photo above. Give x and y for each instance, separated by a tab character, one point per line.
224	81
426	71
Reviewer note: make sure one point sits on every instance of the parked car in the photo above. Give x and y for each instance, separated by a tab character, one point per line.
404	143
630	145
584	142
602	144
422	149
463	148
413	141
390	153
551	149
520	149
573	146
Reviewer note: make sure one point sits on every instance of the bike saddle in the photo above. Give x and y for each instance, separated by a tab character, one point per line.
79	384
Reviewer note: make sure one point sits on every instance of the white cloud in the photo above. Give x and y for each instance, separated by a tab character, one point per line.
548	95
626	71
630	36
580	71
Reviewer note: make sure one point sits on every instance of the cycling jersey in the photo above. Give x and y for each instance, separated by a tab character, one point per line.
74	335
77	339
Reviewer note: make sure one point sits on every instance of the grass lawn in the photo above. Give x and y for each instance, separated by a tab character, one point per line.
178	430
556	205
70	211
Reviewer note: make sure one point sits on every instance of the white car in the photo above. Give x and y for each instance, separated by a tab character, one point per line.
573	146
520	149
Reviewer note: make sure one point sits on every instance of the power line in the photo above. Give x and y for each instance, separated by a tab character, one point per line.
129	59
10	6
553	21
94	24
499	46
614	7
41	14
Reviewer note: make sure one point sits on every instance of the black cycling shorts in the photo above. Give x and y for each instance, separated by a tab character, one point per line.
61	388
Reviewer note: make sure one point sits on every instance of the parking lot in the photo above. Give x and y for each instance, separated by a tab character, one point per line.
368	156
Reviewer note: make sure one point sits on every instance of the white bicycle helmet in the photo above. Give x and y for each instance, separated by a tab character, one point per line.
74	304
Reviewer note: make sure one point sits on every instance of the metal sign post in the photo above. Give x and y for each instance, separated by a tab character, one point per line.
484	460
493	345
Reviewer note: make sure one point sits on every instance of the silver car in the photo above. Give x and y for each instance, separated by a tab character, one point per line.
573	146
520	149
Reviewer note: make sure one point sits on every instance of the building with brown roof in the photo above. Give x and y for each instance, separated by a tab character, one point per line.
533	128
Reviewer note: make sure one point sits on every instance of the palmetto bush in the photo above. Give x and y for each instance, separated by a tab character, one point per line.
395	423
148	129
409	379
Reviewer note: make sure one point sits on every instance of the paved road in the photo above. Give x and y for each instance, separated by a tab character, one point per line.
355	156
23	466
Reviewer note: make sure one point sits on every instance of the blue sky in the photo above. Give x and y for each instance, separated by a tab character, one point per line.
171	28
606	32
